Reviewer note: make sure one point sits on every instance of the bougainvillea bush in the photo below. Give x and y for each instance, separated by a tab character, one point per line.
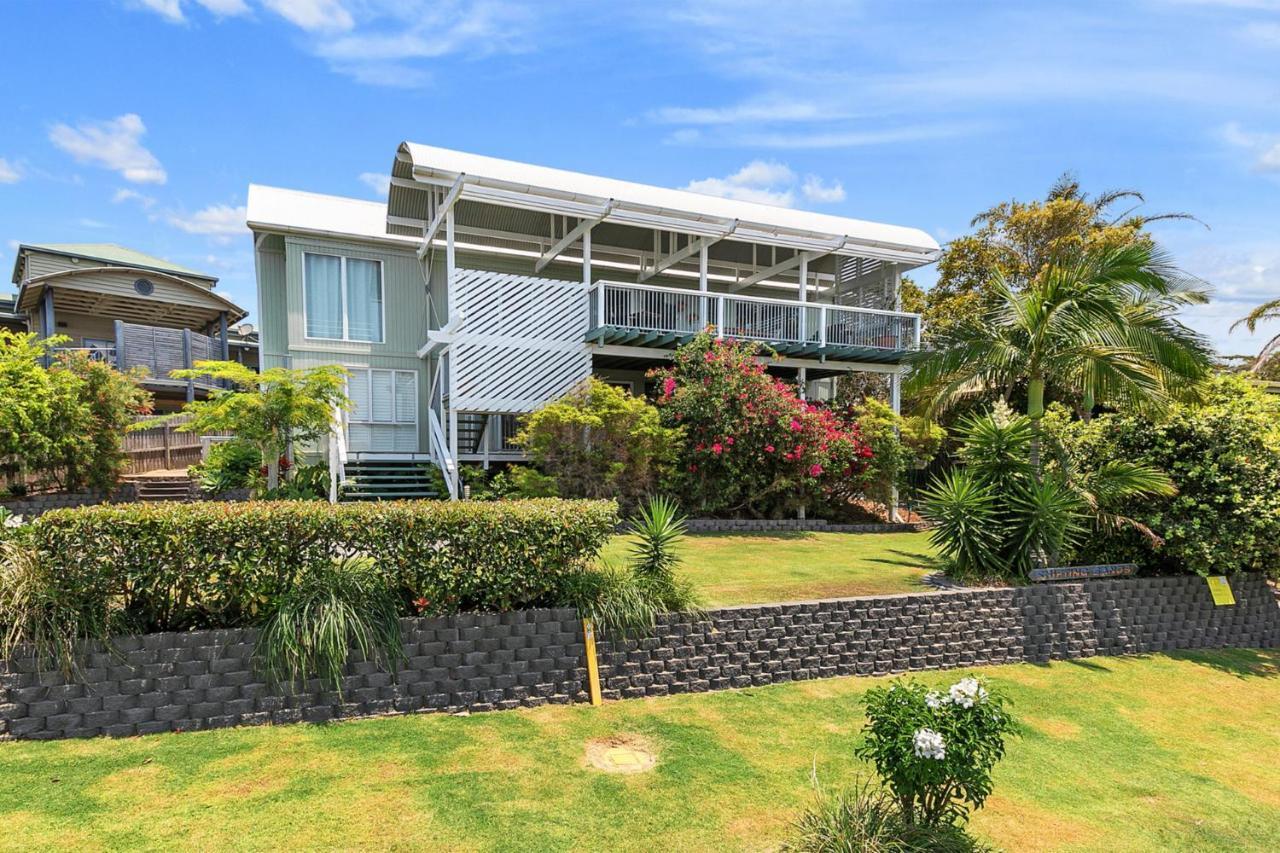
752	446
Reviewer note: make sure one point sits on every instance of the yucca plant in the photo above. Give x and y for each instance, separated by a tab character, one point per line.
967	526
625	601
335	607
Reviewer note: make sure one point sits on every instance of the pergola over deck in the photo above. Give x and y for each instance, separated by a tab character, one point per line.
647	234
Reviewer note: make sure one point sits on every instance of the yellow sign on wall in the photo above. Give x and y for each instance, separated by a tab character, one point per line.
1220	590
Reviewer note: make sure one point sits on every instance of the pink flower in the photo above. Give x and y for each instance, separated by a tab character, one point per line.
768	448
815	470
668	387
717	448
795	425
729	440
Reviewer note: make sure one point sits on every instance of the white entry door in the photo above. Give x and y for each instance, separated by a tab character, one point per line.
384	413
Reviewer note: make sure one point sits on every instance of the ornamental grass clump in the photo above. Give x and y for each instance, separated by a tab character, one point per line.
335	607
935	750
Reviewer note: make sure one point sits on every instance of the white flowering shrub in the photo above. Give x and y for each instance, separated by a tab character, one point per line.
935	749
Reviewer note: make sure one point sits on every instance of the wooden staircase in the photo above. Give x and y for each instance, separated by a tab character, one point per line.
169	487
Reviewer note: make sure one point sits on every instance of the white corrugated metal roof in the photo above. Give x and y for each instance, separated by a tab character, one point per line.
276	209
430	161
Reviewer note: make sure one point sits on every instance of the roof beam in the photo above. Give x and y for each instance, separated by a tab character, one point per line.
782	266
693	248
429	233
572	237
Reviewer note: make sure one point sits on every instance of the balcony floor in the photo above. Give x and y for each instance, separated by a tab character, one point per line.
621	336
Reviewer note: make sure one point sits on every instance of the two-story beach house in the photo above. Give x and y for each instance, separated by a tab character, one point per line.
129	308
485	288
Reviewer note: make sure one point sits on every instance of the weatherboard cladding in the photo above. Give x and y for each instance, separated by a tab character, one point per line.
481	662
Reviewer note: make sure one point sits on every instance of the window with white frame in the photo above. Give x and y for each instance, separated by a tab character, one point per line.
384	410
342	298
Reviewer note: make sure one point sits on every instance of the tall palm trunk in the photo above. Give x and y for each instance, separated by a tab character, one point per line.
1035	411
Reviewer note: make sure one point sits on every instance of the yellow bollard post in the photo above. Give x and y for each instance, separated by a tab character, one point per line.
593	668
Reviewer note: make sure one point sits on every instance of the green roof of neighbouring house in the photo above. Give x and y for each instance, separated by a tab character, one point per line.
113	254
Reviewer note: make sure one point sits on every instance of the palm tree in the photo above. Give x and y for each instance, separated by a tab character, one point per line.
1100	323
1264	312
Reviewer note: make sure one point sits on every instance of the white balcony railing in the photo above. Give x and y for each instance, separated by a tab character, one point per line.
666	310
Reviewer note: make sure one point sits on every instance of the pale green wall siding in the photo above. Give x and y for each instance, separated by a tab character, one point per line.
404	293
273	307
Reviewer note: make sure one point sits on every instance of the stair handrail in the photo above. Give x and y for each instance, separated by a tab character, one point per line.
448	466
337	441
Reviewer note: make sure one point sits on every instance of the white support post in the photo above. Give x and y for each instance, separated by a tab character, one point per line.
453	447
895	402
451	298
804	297
822	326
702	285
802	377
586	257
719	317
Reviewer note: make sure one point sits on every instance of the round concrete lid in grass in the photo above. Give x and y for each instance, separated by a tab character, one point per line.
621	754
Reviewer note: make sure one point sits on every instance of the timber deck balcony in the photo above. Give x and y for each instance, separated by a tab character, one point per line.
663	317
159	350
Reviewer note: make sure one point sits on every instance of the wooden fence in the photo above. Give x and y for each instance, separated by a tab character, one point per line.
160	447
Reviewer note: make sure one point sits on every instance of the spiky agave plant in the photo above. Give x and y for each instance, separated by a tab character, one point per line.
658	530
335	607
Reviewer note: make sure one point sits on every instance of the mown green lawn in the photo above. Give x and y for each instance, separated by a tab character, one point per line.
766	567
1168	752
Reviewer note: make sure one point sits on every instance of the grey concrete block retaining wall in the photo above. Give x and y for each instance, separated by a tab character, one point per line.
756	645
481	662
752	525
30	507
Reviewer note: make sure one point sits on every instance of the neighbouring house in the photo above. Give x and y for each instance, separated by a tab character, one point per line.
131	309
484	288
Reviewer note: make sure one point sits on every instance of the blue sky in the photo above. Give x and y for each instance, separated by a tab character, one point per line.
142	122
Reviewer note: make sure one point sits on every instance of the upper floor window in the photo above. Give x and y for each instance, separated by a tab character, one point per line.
342	298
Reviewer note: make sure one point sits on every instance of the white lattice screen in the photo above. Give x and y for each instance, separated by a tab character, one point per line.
520	343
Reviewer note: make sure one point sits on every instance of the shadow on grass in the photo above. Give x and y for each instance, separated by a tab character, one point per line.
910	559
754	534
1243	663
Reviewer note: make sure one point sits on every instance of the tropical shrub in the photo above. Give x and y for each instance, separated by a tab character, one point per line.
935	751
626	601
598	441
334	607
165	567
228	465
751	445
1223	456
64	423
274	410
997	515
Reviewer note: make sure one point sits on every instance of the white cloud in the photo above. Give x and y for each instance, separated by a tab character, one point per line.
220	221
225	8
1263	149
9	173
114	144
170	10
313	15
770	182
124	194
760	181
85	222
815	190
376	181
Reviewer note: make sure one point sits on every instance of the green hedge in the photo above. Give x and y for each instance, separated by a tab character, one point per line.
169	566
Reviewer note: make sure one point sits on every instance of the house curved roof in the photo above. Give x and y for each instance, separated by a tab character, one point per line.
419	162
